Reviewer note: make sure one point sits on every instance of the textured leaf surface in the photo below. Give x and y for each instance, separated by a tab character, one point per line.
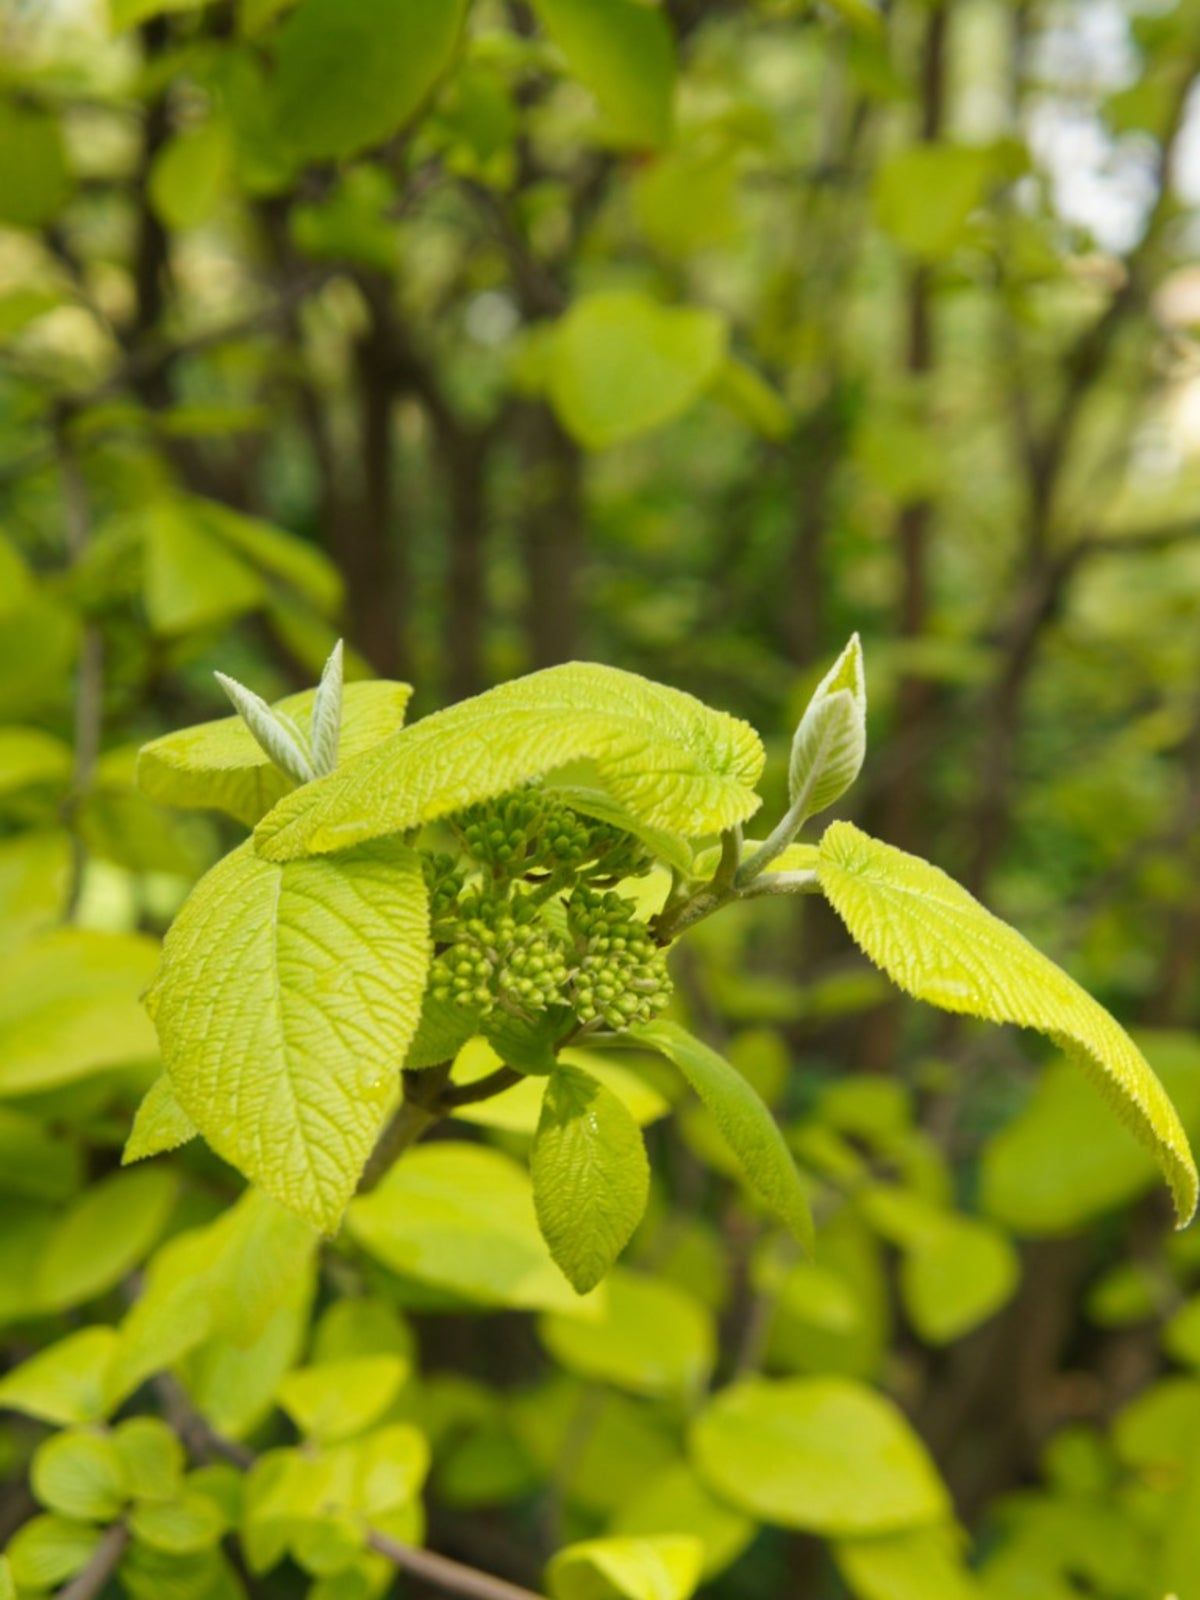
460	1218
939	944
664	755
218	765
69	1007
746	1124
623	51
160	1124
590	1175
824	1454
285	1003
666	1568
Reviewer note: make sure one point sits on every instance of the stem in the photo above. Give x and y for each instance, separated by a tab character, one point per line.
101	1565
452	1577
418	1110
466	1094
804	881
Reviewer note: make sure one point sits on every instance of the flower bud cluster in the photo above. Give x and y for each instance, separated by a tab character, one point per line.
501	953
533	831
620	976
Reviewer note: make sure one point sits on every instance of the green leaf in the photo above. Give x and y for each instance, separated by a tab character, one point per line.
191	580
348	76
181	1527
918	1564
227	1279
233	1380
219	766
296	563
337	1399
35	1160
939	944
955	1276
35	869
590	1175
103	1236
663	1568
621	364
152	1458
29	757
746	1124
831	740
65	1382
49	1550
69	1007
160	1124
675	1501
623	51
35	180
924	195
192	174
748	395
285	1003
460	1218
1065	1159
645	1335
824	1454
79	1474
8	1585
665	756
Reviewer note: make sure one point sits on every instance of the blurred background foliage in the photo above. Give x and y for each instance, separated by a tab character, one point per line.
687	337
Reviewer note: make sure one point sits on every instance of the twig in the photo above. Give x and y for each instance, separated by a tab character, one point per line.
467	1094
452	1577
417	1111
102	1563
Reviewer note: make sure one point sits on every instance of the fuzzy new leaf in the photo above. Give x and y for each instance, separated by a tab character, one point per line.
271	732
663	755
831	740
939	944
590	1175
219	765
285	1003
327	715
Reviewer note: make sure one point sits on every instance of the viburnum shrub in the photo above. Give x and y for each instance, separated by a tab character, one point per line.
421	920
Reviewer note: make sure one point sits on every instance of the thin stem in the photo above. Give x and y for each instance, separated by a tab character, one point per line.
102	1563
804	881
467	1094
452	1577
417	1111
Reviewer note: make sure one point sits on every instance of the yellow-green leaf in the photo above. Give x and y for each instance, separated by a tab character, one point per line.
590	1175
285	1003
746	1124
668	758
939	944
661	1568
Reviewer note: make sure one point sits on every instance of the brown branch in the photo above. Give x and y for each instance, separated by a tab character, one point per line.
468	1094
452	1577
102	1563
